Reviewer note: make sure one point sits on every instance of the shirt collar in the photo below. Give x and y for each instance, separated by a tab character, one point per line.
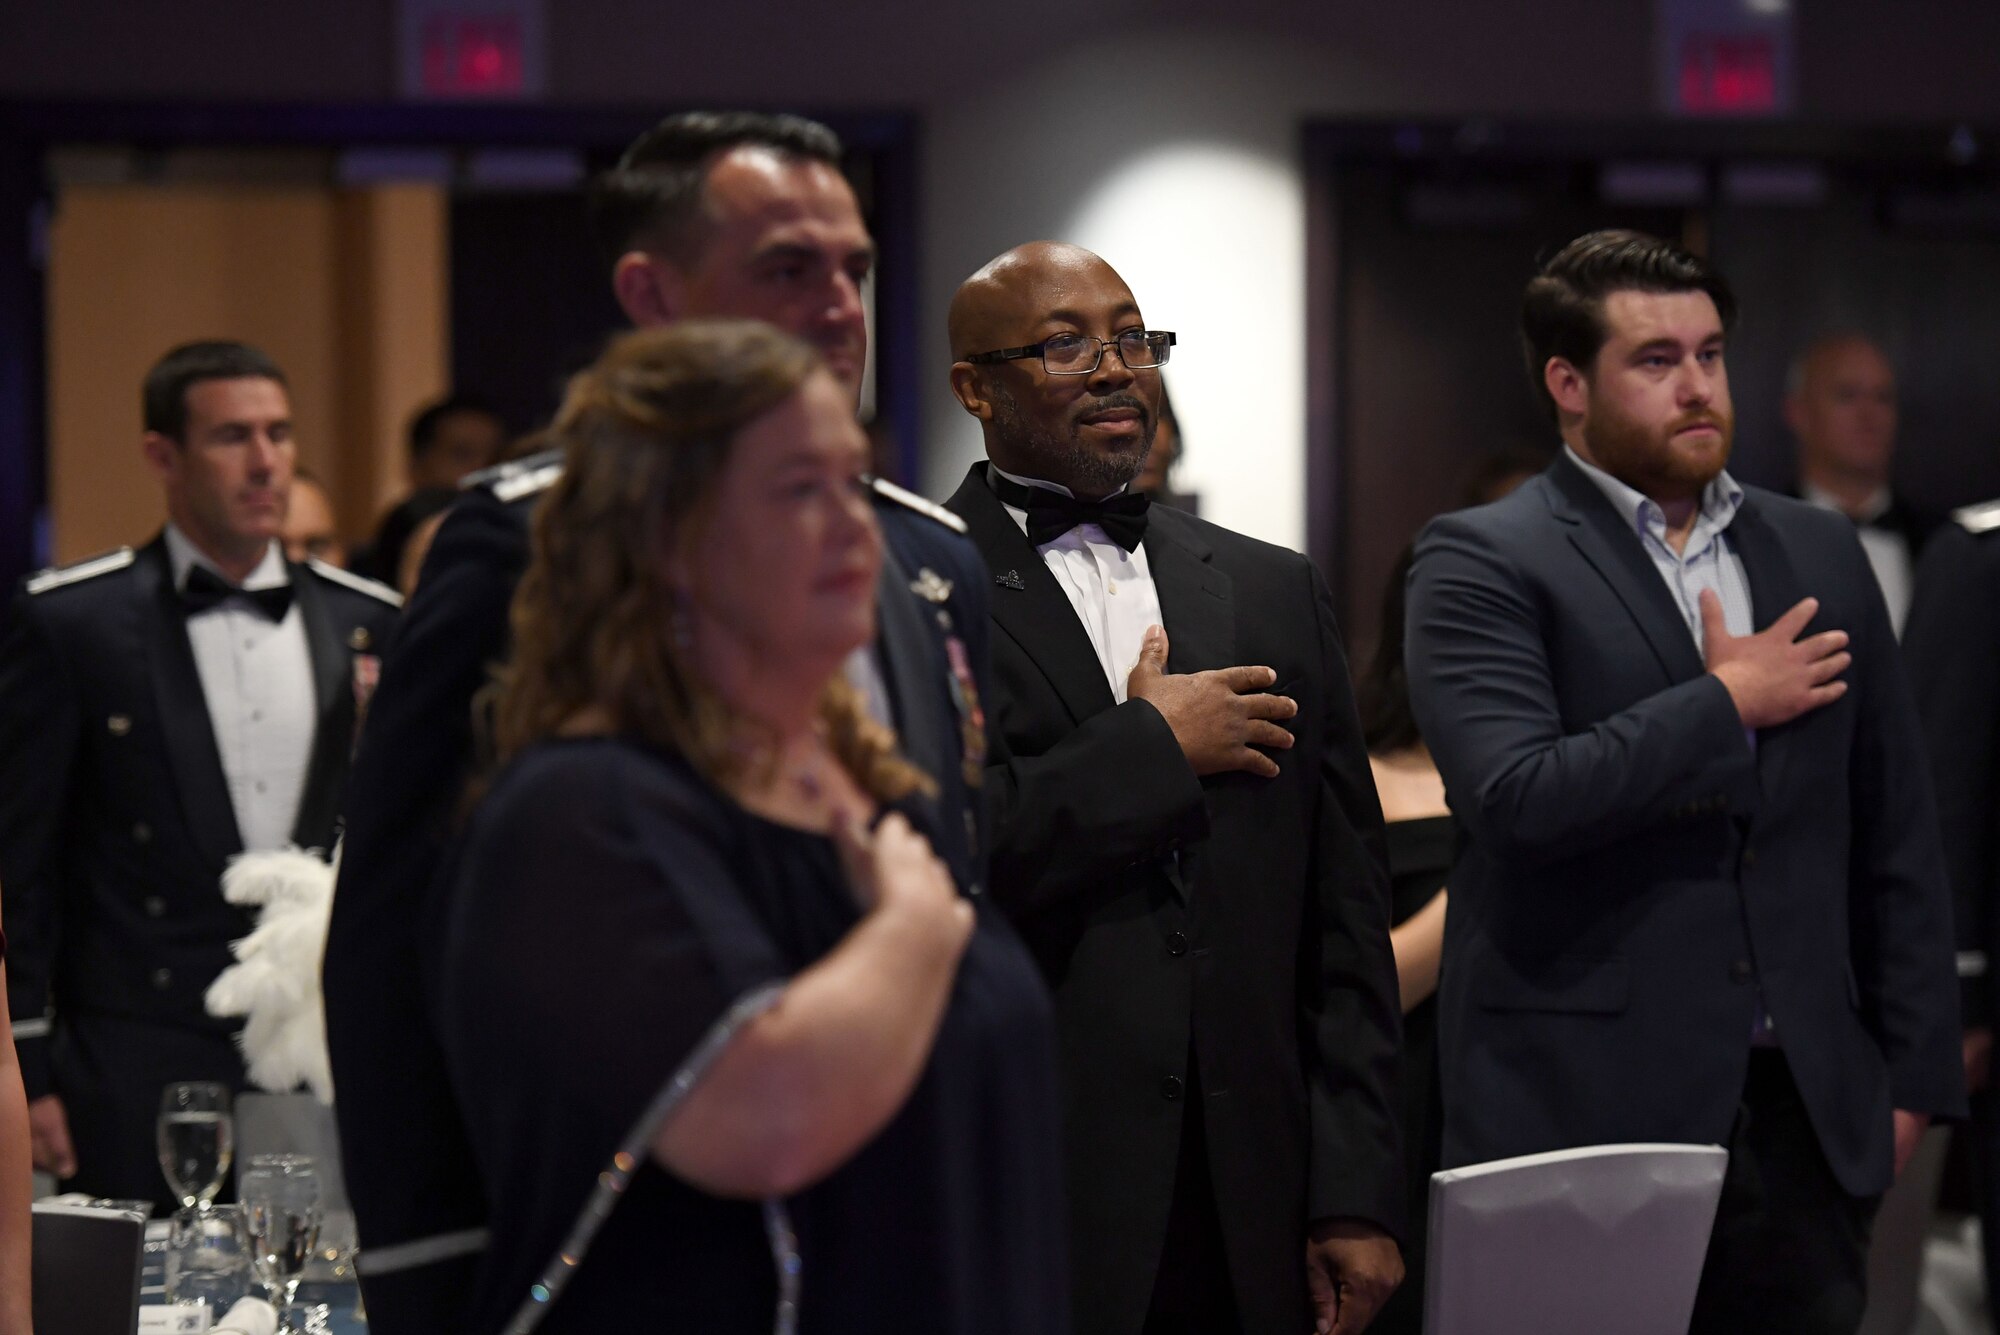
1720	499
183	556
1871	509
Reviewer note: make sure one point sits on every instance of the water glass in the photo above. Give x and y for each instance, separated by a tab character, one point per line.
196	1138
208	1258
281	1211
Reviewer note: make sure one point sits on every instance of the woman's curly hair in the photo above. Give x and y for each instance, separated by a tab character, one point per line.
646	433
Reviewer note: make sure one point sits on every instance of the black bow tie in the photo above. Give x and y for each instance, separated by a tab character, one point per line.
204	589
1052	514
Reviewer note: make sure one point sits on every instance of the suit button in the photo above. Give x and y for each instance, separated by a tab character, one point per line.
1171	1088
1176	944
1749	856
1741	972
163	979
142	833
155	907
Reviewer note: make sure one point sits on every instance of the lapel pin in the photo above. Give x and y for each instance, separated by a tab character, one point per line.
118	725
931	586
1011	580
358	639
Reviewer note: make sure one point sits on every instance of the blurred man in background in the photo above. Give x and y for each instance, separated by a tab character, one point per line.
1840	403
311	530
449	441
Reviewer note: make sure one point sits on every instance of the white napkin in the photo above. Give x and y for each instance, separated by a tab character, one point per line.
250	1316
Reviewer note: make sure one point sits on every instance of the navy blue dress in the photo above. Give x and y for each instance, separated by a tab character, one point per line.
610	908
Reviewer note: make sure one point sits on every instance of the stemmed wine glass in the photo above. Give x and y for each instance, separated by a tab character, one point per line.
196	1138
281	1213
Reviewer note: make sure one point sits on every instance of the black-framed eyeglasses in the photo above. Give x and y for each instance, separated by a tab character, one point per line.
1079	354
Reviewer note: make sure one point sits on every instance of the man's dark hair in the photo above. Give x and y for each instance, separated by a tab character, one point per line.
652	198
1562	312
163	400
430	419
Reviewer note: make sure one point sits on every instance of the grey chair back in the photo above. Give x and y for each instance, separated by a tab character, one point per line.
86	1270
1603	1238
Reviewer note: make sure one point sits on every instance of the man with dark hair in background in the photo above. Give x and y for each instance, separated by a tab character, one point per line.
1186	837
162	710
449	440
1840	403
1702	898
709	213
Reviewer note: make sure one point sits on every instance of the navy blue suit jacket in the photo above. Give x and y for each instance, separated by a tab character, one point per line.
1635	870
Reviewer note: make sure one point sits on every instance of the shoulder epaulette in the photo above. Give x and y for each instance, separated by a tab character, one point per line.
1981	518
889	491
380	592
510	489
515	478
90	567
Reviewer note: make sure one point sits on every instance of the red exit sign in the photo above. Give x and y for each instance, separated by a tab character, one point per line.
1725	57
1729	74
471	48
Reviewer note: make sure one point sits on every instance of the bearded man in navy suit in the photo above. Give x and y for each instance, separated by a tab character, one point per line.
1702	898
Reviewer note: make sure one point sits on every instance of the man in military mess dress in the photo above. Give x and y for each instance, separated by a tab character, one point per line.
161	711
1952	647
707	214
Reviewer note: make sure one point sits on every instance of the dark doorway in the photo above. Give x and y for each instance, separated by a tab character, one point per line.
1422	237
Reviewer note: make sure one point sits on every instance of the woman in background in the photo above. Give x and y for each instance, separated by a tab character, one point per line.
1423	844
731	1047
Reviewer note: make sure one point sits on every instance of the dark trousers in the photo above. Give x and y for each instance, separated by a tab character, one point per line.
1790	1247
1191	1291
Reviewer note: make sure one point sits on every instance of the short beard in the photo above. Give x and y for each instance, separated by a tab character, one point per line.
1643	457
1089	474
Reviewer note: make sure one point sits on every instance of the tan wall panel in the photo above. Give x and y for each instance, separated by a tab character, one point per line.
354	313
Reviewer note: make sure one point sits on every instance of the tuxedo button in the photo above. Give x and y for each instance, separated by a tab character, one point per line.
118	725
163	979
1171	1089
1749	856
155	907
1740	971
142	833
1176	944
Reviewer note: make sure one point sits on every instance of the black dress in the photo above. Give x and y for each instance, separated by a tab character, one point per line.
611	911
1420	857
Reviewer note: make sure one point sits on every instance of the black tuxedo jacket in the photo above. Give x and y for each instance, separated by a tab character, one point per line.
115	819
1914	524
410	1173
1952	646
1237	921
1636	871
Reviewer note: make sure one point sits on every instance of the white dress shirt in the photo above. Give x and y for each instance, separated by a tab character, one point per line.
1111	589
1887	550
257	678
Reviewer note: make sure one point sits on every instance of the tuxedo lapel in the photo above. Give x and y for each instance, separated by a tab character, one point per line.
1197	601
1775	588
1027	603
914	672
185	726
333	698
1600	536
